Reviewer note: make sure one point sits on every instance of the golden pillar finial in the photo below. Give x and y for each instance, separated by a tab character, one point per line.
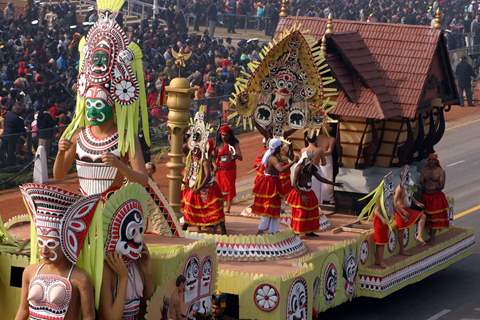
178	102
437	21
323	47
329	24
283	8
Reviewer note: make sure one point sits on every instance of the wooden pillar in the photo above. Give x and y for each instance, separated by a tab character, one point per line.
178	102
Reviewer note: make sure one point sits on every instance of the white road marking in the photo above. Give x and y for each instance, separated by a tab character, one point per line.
455	163
477	309
439	315
461	124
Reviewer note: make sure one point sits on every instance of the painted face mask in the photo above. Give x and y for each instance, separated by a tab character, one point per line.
98	112
130	243
100	62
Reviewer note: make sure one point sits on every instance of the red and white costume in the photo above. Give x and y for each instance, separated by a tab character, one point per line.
267	200
226	174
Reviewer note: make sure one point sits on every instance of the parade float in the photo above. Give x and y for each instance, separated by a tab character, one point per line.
261	276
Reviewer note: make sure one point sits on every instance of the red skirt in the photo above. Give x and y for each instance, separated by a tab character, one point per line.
305	215
380	234
226	178
436	209
285	183
413	216
266	200
203	208
260	171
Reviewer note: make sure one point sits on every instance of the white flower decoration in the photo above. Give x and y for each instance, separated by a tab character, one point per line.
266	297
82	84
125	90
364	252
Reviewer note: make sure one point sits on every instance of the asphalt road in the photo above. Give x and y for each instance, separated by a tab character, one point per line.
454	293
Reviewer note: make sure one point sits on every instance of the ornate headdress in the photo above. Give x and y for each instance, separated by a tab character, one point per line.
382	198
111	69
60	214
125	214
199	132
288	88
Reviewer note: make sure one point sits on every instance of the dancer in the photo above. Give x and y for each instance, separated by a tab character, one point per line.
127	273
305	219
202	201
327	145
381	214
103	136
55	288
432	179
405	217
267	199
318	160
227	152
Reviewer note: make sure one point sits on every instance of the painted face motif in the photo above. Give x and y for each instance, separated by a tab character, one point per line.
98	112
49	248
297	301
330	283
350	268
285	83
206	277
192	276
132	228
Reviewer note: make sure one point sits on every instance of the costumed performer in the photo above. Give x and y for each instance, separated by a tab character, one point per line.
305	218
432	179
267	200
55	288
202	201
285	157
318	160
327	145
381	208
404	215
127	274
103	136
227	151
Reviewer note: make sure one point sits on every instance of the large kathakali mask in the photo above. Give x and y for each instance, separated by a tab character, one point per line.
124	222
108	61
126	230
287	88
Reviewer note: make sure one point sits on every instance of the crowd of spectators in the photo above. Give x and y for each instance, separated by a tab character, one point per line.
39	54
39	65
